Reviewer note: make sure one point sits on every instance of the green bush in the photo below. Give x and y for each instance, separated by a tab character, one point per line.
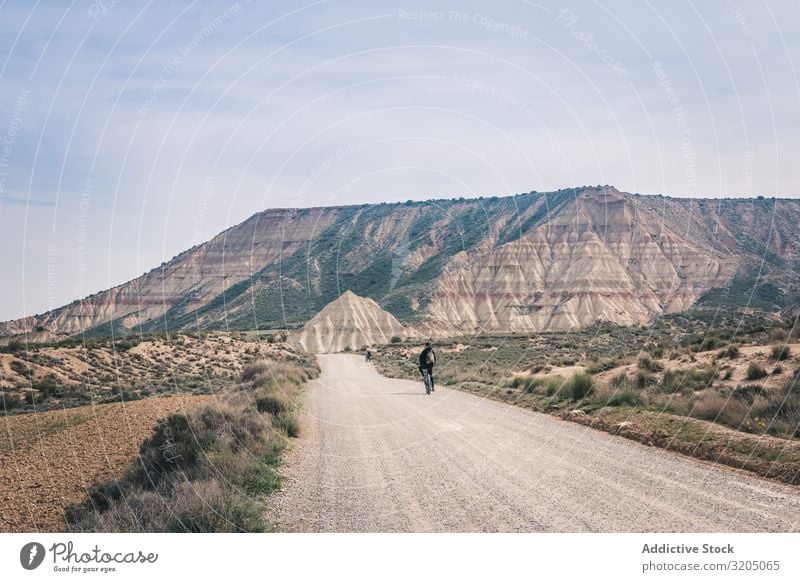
554	385
626	397
687	380
527	383
580	385
288	425
671	381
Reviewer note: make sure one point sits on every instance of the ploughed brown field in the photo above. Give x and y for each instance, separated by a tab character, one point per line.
49	459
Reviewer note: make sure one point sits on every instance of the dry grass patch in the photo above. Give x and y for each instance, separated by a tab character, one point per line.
206	470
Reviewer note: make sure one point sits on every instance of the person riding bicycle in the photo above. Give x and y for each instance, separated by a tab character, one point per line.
427	359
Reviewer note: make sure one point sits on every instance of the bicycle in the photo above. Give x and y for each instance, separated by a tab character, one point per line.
426	379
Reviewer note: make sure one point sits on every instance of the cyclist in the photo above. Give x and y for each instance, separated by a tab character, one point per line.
427	359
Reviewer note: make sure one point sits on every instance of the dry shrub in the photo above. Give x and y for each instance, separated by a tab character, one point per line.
780	353
527	383
688	380
712	405
615	394
731	352
271	405
754	410
648	364
755	371
749	392
275	374
620	381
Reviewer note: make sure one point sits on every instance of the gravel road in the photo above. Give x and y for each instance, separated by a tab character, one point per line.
378	455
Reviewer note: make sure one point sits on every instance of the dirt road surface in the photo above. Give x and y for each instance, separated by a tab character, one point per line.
378	455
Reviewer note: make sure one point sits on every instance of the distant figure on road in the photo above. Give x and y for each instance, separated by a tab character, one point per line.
369	355
427	360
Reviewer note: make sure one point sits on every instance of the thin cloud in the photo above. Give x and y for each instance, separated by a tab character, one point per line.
32	202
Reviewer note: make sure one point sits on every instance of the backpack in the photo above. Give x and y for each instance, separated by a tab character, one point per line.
430	358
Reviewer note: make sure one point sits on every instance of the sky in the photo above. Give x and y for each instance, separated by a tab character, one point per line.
131	131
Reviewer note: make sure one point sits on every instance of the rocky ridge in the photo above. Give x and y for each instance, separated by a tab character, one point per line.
535	261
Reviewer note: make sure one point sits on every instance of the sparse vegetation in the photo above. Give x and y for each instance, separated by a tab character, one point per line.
697	378
624	397
646	363
643	379
201	469
780	353
731	352
601	365
527	383
271	404
672	377
19	367
620	381
755	371
74	373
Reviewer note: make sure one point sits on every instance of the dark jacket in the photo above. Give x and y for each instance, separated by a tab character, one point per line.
423	357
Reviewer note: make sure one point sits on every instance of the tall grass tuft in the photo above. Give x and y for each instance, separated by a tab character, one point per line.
580	385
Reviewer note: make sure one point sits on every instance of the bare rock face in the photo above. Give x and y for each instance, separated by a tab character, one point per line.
348	322
599	259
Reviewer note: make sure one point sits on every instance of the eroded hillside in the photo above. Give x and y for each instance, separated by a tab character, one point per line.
531	262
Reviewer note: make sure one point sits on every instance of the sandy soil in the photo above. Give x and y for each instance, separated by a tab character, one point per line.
377	455
49	459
